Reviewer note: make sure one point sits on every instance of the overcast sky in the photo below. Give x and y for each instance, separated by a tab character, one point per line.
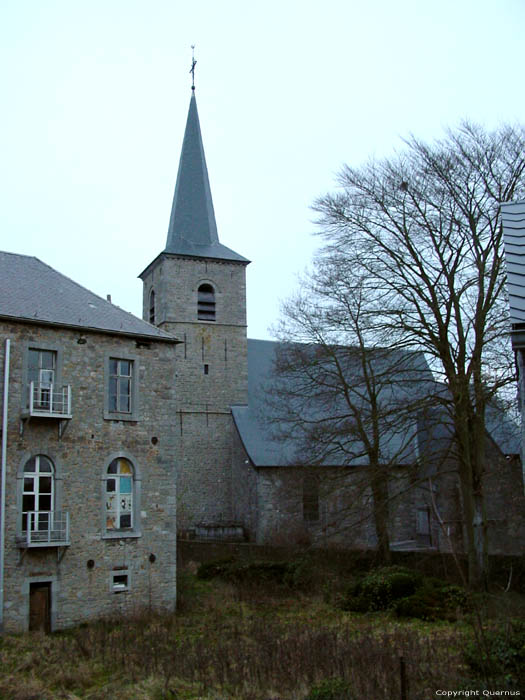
95	95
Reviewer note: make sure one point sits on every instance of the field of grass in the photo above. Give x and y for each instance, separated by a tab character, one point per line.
266	640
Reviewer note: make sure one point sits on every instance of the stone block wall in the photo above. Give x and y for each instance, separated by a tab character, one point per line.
81	574
212	375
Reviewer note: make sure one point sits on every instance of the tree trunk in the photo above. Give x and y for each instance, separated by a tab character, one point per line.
381	515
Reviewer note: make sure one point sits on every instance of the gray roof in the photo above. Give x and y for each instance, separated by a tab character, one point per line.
262	436
513	220
422	434
192	229
32	291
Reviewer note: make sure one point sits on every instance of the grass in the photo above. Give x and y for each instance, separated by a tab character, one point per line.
247	641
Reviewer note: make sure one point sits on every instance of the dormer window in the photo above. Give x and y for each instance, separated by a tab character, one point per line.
206	303
152	307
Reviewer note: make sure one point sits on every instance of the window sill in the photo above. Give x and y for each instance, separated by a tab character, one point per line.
129	417
121	535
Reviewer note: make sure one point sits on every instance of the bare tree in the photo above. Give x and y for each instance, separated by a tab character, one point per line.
345	397
422	231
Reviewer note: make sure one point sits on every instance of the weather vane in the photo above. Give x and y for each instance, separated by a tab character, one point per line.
193	64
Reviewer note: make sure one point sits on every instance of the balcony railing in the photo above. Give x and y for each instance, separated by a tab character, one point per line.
45	528
46	401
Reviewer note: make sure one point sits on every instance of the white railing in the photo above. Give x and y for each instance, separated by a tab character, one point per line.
45	400
46	528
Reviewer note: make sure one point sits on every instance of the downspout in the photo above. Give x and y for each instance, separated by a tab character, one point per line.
3	478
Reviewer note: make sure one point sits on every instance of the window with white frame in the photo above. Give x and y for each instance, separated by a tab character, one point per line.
120	386
119	580
119	495
41	374
38	495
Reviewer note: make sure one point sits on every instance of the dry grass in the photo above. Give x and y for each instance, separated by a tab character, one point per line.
225	644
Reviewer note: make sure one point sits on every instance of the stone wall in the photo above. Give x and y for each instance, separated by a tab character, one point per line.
81	574
212	376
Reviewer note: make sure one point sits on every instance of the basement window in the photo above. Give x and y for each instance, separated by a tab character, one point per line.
120	581
206	303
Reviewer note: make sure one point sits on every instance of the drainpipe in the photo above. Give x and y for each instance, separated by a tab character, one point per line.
3	479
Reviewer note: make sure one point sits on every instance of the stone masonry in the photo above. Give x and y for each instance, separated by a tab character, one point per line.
211	377
82	575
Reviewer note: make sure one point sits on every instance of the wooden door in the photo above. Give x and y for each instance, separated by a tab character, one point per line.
40	607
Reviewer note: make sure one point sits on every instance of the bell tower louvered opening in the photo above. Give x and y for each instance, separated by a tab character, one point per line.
206	303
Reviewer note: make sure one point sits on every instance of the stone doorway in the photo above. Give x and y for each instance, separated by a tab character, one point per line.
40	607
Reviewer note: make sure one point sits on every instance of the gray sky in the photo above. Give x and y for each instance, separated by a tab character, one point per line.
95	96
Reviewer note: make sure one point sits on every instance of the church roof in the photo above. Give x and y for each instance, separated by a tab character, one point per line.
192	229
269	442
32	291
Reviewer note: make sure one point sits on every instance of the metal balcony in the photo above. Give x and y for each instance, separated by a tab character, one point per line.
44	528
46	401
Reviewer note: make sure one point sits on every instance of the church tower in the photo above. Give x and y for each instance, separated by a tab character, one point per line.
196	290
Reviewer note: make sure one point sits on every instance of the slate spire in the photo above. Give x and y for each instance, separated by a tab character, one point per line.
192	228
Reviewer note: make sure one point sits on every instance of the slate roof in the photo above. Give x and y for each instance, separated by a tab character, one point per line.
32	291
192	229
513	220
258	422
425	435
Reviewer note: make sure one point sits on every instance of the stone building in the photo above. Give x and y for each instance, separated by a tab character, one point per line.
88	454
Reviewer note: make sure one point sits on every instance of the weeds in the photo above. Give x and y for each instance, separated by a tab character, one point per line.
234	641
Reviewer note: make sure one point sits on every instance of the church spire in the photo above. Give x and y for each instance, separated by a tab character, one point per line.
192	228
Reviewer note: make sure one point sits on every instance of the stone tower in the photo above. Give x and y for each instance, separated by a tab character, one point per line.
196	290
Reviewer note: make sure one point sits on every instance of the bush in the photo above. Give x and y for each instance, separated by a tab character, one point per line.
499	656
330	689
296	574
380	588
213	569
433	601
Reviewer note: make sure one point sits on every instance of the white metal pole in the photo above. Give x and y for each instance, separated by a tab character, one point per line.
3	478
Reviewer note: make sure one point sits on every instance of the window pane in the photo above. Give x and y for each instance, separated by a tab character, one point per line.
125	368
44	464
28	503
110	485
125	520
44	485
113	365
30	465
47	359
124	467
32	359
44	502
29	485
113	467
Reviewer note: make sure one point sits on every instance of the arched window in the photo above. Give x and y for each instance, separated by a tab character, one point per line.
206	303
38	496
119	495
152	306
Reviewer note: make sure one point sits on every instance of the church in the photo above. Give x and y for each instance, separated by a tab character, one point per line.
120	435
237	479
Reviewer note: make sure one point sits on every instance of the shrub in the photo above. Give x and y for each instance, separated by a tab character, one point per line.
433	601
296	574
212	569
499	656
330	689
378	589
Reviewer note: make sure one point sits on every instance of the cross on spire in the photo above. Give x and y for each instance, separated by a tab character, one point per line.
192	69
